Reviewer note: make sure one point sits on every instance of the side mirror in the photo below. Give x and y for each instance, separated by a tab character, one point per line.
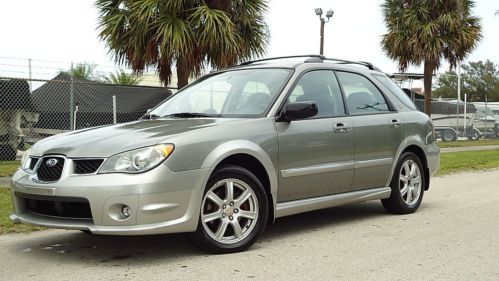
298	110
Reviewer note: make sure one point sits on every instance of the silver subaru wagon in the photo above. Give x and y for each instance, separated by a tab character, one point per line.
232	152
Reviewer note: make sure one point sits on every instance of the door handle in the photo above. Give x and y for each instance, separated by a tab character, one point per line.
341	128
395	123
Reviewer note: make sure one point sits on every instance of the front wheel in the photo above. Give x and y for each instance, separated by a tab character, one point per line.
234	211
407	185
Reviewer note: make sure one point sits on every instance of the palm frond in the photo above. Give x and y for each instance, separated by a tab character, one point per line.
163	33
123	78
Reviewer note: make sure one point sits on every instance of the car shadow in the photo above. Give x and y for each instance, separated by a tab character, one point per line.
91	250
311	221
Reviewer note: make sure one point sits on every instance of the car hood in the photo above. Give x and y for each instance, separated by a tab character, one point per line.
109	140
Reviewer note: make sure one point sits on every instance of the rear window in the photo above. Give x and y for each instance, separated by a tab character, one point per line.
395	89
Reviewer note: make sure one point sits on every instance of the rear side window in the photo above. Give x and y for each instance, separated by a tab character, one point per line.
362	97
395	89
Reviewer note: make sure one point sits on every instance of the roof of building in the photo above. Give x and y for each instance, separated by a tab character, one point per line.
95	97
14	94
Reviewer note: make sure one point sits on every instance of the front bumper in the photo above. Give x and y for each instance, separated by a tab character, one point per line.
162	201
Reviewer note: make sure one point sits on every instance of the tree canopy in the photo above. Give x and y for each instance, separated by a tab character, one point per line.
478	79
83	71
427	32
123	78
185	34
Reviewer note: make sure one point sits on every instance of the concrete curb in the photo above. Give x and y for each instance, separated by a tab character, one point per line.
5	182
468	148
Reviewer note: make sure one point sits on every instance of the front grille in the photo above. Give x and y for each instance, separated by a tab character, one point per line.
64	207
48	172
86	166
33	162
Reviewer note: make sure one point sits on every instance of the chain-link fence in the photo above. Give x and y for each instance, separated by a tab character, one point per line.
32	109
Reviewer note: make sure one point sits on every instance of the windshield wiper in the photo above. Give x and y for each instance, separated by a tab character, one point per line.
189	115
150	116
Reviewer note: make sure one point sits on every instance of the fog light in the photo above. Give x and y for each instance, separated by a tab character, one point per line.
126	211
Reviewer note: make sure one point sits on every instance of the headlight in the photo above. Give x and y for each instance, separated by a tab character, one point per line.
25	161
138	160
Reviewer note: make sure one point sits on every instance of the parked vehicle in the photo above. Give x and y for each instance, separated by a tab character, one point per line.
232	152
16	111
449	125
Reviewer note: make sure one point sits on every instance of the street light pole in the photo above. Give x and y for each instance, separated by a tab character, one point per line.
322	36
329	15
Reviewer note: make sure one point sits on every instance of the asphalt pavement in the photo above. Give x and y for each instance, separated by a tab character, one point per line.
453	236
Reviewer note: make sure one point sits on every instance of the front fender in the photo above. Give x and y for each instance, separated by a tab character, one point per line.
233	147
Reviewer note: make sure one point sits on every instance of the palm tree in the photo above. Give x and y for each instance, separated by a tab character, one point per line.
123	78
187	34
426	31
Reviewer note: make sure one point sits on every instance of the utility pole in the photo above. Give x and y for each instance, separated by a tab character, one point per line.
329	15
29	76
71	101
458	97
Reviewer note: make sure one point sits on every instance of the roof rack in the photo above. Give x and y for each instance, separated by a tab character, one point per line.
363	63
317	58
285	57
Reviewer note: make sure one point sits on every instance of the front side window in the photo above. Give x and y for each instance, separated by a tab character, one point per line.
320	87
237	93
361	95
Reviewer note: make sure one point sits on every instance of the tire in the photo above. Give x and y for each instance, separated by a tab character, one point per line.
407	202
474	134
448	135
218	209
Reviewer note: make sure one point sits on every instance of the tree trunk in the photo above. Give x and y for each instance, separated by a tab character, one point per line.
183	73
429	67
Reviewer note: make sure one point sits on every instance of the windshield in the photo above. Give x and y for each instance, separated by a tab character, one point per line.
237	93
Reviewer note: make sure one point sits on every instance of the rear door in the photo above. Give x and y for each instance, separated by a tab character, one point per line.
377	130
316	154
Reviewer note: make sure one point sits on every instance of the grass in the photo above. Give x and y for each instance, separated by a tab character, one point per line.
6	226
468	143
468	161
7	168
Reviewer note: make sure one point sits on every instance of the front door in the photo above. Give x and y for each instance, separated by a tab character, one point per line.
316	154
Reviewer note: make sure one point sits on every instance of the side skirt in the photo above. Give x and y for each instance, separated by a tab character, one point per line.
310	204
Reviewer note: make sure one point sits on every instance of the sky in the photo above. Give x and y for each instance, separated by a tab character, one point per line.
54	33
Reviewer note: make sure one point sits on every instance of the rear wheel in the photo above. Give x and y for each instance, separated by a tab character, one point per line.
449	135
407	185
234	211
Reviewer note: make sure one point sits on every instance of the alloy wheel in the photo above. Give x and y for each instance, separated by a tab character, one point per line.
410	182
229	211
